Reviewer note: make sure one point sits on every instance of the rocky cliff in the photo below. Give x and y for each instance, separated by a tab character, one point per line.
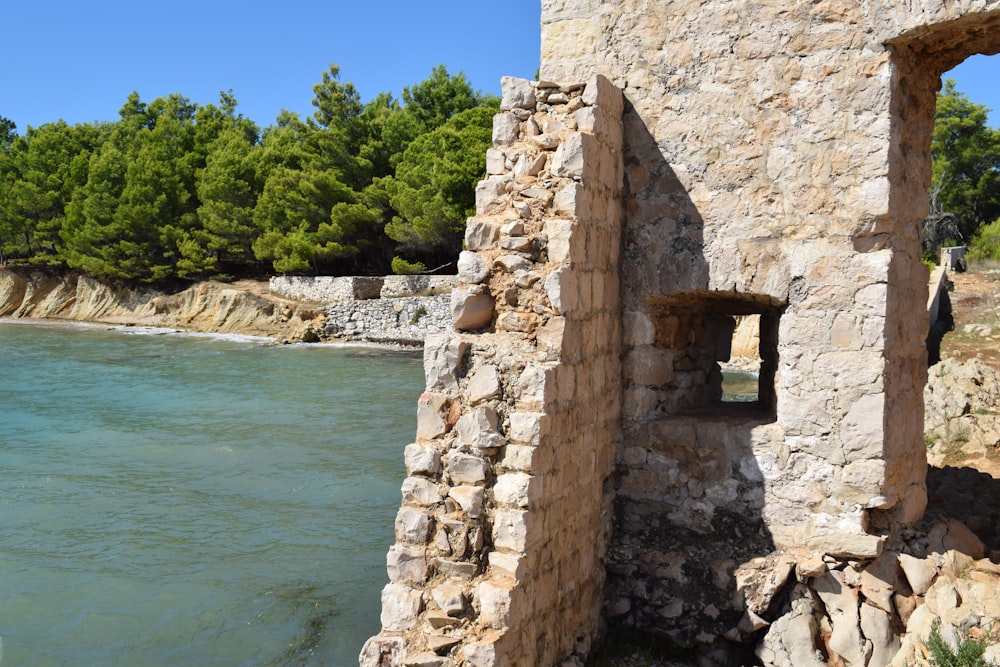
244	308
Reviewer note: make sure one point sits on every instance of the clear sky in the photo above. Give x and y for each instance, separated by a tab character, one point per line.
978	78
78	60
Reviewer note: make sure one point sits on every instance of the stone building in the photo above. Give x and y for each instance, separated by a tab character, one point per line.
575	463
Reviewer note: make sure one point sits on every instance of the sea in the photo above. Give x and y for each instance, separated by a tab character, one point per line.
171	499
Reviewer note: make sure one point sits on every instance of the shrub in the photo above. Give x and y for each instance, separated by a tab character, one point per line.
968	653
986	242
403	268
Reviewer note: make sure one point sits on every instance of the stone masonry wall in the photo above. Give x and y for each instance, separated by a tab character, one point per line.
327	289
776	163
506	510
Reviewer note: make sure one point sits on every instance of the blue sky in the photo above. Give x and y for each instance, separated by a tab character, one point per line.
977	77
79	60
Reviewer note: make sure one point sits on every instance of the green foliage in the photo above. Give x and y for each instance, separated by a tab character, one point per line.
986	242
433	191
173	188
966	159
968	653
403	268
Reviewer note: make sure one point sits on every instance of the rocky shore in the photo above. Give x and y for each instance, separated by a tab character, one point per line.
245	307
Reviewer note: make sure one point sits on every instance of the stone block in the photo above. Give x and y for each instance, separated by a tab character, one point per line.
516	489
450	597
491	194
525	427
472	267
496	162
422	459
516	93
470	309
484	384
407	564
562	290
480	234
862	430
401	606
413	525
444	355
494	603
530	390
469	498
420	491
506	129
380	651
432	416
568	161
510	530
465	468
507	565
478	428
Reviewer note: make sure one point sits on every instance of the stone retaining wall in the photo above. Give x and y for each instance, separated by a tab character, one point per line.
391	321
327	289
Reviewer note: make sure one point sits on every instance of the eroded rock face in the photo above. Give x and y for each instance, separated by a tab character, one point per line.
208	306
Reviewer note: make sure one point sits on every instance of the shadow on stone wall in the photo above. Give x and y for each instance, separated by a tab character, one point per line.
689	490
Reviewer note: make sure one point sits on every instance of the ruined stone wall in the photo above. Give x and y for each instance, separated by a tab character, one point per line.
506	510
776	162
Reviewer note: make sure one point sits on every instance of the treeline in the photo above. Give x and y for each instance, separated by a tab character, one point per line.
177	189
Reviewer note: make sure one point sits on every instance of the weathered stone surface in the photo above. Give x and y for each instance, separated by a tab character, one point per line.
422	459
472	267
407	564
470	309
479	429
484	384
413	525
469	498
516	93
400	607
465	468
420	491
789	641
920	573
381	651
841	602
450	597
443	356
432	416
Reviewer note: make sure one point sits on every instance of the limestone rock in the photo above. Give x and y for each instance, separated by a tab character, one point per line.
516	93
472	268
422	459
443	357
407	564
478	428
469	498
484	384
841	603
470	309
791	639
400	607
450	597
465	469
380	651
920	573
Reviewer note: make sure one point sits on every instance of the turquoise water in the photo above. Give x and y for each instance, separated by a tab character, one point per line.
173	500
